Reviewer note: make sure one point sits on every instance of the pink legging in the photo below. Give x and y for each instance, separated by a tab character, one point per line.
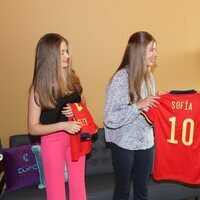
55	150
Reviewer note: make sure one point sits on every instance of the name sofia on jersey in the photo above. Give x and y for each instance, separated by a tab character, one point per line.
181	105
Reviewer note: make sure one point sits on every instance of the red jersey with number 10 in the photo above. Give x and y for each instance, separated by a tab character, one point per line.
176	122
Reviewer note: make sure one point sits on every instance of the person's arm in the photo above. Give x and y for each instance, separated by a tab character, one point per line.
36	128
118	110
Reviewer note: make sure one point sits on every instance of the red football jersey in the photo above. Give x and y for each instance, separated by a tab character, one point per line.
176	122
81	147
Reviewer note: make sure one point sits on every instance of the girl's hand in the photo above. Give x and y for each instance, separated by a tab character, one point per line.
158	93
67	111
71	127
149	101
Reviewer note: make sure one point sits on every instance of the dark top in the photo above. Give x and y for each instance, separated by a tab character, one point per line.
50	116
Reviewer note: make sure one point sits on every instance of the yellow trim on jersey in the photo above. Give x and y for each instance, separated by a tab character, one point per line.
146	117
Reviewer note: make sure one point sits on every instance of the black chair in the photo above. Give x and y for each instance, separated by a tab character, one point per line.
22	139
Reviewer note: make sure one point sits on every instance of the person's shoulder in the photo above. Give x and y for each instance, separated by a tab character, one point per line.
122	74
119	78
31	91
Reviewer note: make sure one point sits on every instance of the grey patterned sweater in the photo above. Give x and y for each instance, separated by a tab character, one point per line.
123	123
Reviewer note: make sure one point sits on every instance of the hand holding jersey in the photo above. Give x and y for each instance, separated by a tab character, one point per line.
82	140
82	115
149	101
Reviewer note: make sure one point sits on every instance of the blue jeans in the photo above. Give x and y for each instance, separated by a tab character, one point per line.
130	165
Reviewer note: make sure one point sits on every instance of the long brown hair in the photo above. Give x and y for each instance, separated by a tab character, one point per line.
49	81
134	60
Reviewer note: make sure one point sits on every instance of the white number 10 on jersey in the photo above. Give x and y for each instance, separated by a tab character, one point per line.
187	122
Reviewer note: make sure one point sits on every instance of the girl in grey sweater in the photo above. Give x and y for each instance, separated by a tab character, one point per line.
130	90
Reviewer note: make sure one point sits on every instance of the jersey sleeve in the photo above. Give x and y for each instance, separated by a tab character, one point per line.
149	115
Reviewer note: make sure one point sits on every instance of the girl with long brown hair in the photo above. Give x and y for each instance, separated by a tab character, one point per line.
54	85
130	90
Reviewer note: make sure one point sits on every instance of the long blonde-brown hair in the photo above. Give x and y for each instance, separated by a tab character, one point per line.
134	61
49	81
